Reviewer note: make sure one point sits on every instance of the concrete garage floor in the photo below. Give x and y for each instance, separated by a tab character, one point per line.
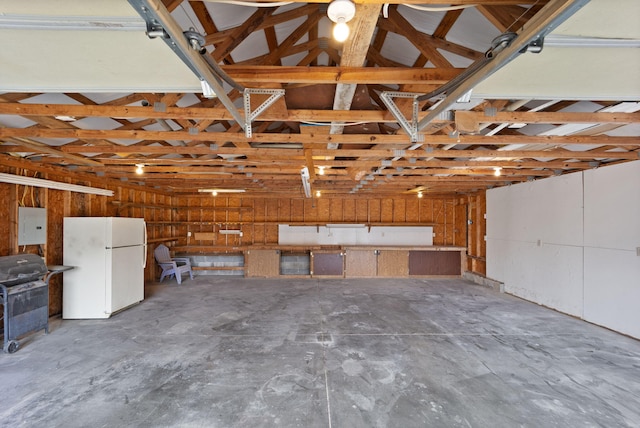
233	352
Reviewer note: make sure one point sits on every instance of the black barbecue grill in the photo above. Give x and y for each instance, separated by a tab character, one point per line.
24	283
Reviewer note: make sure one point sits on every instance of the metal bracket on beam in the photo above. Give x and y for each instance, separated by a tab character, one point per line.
409	126
161	24
250	116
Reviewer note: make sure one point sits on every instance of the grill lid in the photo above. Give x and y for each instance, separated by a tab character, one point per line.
21	268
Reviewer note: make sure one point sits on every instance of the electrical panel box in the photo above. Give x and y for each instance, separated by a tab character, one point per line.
32	226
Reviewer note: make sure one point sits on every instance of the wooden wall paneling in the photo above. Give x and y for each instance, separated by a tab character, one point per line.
386	210
271	234
460	227
360	263
323	209
297	211
7	230
336	211
349	210
55	204
393	263
262	263
310	210
362	211
399	210
412	210
272	209
439	220
426	211
449	222
284	210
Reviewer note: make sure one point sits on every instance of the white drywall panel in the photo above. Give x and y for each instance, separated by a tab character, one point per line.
349	235
612	289
578	71
548	210
612	207
98	46
550	275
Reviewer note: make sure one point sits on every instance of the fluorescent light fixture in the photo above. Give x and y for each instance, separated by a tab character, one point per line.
304	174
221	190
230	232
48	184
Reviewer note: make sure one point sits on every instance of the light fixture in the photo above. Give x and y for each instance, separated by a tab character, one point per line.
341	12
497	171
419	194
221	190
318	193
214	193
320	170
306	185
48	184
139	168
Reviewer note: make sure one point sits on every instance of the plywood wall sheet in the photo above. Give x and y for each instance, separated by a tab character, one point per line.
612	207
362	211
297	210
259	210
386	210
271	234
323	209
349	210
460	226
262	263
393	263
399	210
611	290
272	210
426	210
449	225
310	210
336	210
360	263
284	208
412	210
6	231
375	210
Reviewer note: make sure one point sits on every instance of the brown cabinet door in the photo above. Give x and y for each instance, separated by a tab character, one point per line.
327	263
434	263
393	263
262	263
360	264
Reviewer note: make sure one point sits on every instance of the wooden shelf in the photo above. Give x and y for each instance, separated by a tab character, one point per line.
155	240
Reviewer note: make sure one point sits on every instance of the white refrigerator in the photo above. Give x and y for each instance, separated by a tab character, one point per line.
109	255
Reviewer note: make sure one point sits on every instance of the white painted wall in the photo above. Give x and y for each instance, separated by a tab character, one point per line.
570	242
345	234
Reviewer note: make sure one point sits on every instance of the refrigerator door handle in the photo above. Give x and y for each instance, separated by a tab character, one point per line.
144	260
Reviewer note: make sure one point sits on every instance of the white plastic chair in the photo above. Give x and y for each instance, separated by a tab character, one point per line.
172	266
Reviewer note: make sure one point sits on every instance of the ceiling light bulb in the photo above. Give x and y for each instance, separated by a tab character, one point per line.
317	193
214	193
341	31
139	169
420	194
497	171
341	12
320	170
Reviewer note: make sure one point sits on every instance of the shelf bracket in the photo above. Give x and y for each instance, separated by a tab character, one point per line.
409	126
250	116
